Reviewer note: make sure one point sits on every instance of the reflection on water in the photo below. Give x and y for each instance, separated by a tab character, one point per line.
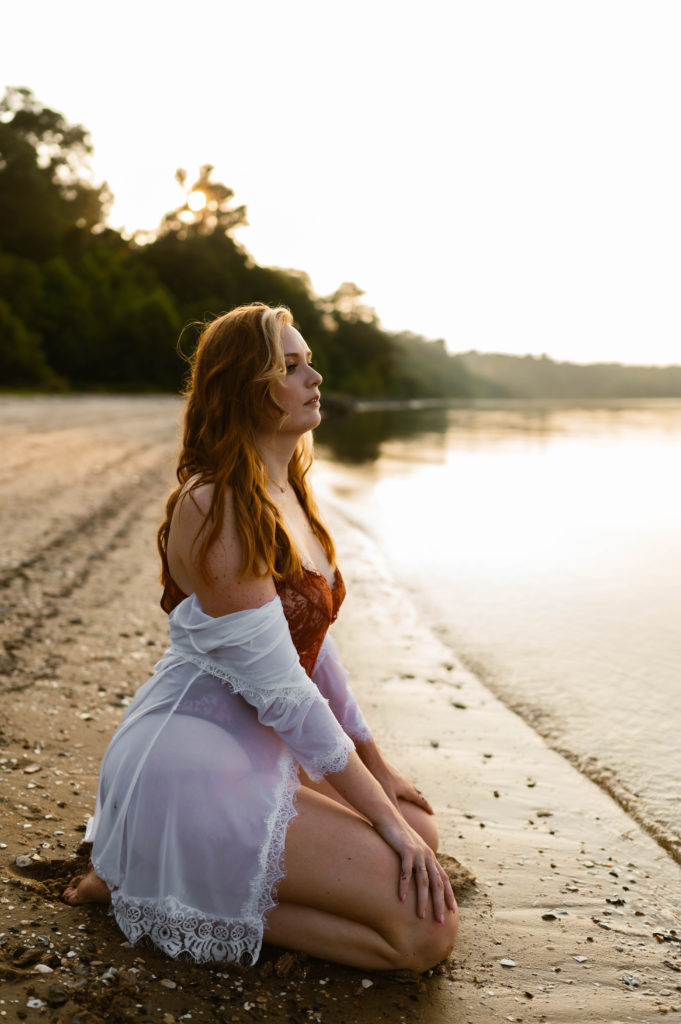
544	540
358	438
362	438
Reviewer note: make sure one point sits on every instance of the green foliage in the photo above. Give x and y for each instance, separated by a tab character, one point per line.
22	360
427	370
45	197
203	273
80	304
216	216
21	284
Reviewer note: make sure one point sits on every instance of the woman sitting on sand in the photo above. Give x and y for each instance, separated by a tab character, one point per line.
243	767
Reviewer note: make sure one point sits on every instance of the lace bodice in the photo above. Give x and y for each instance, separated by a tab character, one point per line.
310	606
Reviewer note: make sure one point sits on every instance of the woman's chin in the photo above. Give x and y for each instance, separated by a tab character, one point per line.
311	420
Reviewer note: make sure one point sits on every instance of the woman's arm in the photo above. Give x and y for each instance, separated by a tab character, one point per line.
394	783
374	788
359	787
331	678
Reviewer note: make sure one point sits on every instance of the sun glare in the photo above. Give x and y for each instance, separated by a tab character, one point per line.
196	200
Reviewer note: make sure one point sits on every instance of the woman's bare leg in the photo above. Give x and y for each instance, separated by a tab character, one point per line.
339	899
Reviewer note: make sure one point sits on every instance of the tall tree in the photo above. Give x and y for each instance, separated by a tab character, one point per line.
207	208
47	198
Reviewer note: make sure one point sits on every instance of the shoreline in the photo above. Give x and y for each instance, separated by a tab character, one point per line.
569	888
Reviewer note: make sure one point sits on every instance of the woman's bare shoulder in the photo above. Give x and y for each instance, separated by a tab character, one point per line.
220	588
195	499
192	517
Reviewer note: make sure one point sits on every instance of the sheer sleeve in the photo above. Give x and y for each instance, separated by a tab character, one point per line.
252	652
332	679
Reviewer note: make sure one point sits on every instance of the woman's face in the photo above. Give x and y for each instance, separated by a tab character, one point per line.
298	391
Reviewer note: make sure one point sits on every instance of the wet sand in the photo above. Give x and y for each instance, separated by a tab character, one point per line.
568	889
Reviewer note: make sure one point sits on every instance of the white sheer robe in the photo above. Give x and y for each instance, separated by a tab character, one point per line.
198	784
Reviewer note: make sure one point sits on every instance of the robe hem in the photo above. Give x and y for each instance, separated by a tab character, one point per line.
179	930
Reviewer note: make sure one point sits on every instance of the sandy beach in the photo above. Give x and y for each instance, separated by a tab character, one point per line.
569	911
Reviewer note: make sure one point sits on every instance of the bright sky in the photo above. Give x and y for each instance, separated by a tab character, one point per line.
505	174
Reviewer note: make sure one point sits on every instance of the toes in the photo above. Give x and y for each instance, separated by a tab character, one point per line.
86	889
70	893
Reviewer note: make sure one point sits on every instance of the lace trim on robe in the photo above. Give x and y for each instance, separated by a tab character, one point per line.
361	733
295	695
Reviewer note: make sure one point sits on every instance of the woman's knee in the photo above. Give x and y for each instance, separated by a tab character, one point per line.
420	944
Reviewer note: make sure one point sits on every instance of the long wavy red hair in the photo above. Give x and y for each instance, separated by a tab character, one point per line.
235	367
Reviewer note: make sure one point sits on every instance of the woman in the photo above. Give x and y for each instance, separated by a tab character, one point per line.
243	767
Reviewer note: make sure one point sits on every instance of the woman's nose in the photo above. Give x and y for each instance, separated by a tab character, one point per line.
315	377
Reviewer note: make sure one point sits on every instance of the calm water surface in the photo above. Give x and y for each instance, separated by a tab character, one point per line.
544	541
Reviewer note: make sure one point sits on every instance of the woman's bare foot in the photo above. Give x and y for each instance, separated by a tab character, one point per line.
88	888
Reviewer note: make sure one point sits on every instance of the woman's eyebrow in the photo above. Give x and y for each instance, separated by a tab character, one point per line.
296	354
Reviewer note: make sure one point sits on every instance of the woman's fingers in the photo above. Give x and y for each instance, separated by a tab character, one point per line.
415	796
432	885
422	877
398	787
447	887
405	876
419	862
437	889
422	802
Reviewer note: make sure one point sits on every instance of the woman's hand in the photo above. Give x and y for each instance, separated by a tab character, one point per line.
359	785
395	785
418	860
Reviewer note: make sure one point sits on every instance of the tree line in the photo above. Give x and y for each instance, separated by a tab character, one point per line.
83	307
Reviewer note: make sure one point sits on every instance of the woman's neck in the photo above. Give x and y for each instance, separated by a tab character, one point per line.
277	453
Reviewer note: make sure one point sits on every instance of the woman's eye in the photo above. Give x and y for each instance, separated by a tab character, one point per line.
290	367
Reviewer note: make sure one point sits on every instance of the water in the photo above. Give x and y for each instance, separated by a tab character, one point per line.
544	542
